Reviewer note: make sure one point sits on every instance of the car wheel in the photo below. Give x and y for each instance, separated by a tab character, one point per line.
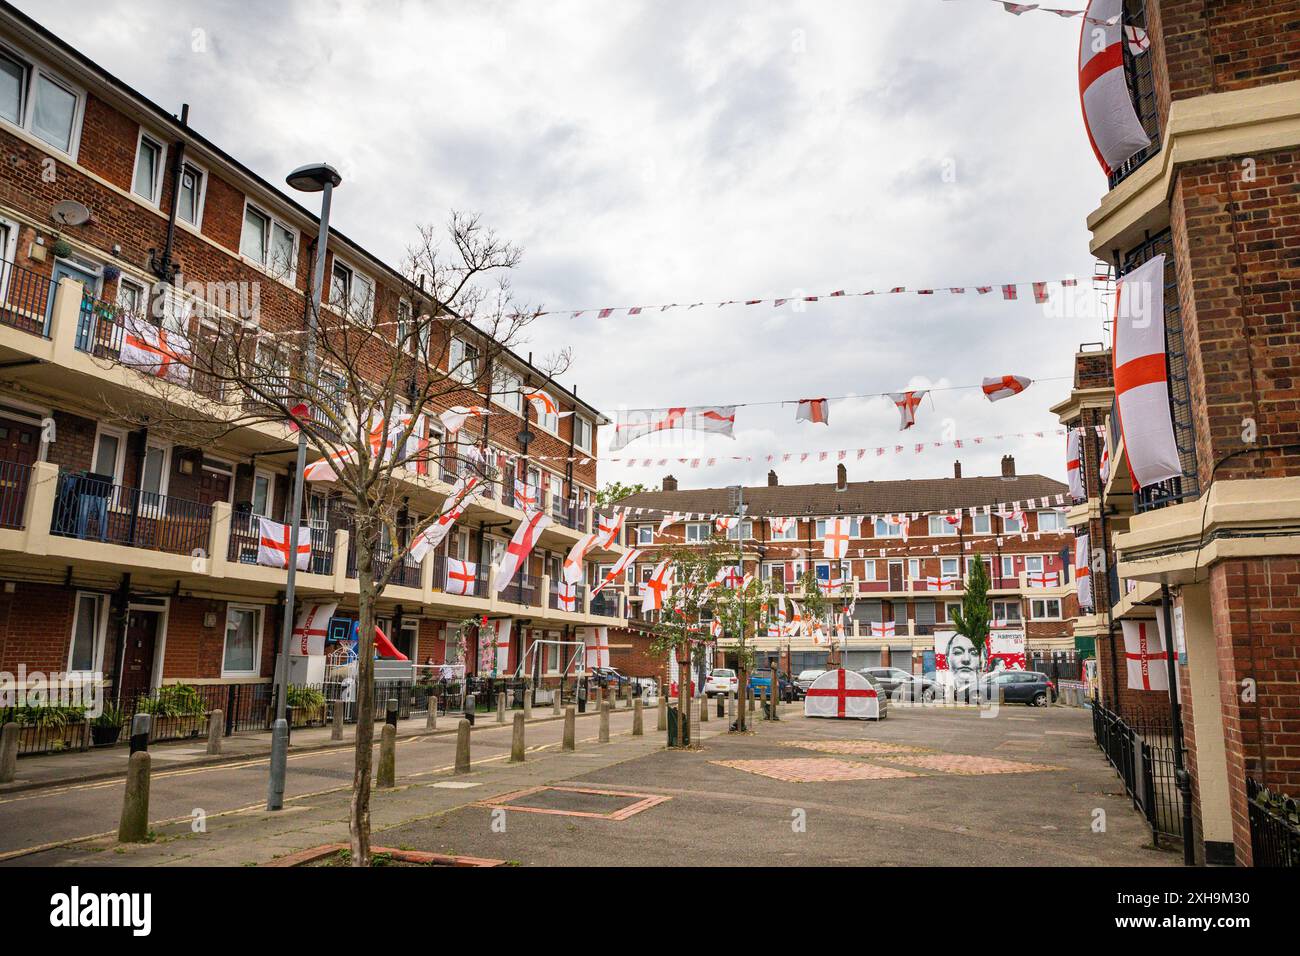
1040	699
927	695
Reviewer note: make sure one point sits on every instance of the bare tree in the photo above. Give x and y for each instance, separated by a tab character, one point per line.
385	364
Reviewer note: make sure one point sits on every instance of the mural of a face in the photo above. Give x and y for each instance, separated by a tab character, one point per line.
962	659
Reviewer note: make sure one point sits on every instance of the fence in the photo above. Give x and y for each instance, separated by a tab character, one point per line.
15	479
92	509
1274	827
245	534
25	299
1057	665
1140	749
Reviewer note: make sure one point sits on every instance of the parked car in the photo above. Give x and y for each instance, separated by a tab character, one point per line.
606	677
761	681
900	684
805	680
1022	687
721	681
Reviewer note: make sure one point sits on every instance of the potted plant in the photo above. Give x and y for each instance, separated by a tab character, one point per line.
107	727
177	711
308	705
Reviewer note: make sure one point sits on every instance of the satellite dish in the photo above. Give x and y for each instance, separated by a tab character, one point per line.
69	212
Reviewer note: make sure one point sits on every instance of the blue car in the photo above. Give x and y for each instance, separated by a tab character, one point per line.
761	682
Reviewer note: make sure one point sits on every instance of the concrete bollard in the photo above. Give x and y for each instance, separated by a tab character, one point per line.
721	706
501	707
752	699
8	752
599	698
471	703
386	774
704	710
462	746
604	723
528	700
638	727
431	718
555	702
216	724
570	735
336	720
134	824
663	713
629	697
517	739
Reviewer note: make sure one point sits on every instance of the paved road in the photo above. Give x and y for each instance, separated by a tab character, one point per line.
55	815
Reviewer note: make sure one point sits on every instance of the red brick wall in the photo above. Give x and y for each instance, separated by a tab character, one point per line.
36	627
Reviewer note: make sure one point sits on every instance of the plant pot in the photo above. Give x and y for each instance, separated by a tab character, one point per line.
104	736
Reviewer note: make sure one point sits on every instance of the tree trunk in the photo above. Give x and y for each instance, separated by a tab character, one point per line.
359	810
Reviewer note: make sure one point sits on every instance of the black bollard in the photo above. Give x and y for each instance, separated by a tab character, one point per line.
390	716
469	708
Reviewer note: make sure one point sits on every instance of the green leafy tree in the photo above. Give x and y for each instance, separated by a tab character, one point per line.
617	491
972	619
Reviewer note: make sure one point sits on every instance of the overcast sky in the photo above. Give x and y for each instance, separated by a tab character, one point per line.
654	152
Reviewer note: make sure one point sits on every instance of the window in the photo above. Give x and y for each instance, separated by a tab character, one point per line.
886	529
948	567
854	530
132	297
980	524
33	100
1008	567
511	392
548	420
790	533
774	574
950	610
869	570
1011	525
243	650
1051	521
88	622
582	432
351	292
913	568
1006	612
645	534
697	532
741	530
154	479
408	334
189	204
263	494
1045	609
109	448
268	242
939	526
463	360
1034	563
149	155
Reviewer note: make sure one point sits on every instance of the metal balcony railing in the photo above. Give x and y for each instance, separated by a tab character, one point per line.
26	298
523	589
244	534
1140	77
92	509
15	479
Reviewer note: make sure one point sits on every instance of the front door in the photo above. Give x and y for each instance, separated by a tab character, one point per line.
895	575
71	270
137	661
214	486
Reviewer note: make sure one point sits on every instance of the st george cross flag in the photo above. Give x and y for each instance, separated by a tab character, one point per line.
309	633
566	595
882	629
1144	652
638	422
1105	462
1073	463
155	351
1004	386
596	646
609	529
1083	571
668	521
1112	124
621	565
460	576
273	545
842	693
1141	375
836	543
573	568
544	402
525	496
816	410
379	441
454	418
725	522
655	588
462	495
780	525
517	551
1041	579
906	402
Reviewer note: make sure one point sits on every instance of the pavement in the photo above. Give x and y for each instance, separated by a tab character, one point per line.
927	786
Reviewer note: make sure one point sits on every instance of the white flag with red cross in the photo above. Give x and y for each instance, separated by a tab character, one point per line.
543	401
907	403
155	351
273	545
463	494
780	525
379	441
520	546
882	629
573	569
725	523
1114	129
621	565
566	596
1142	376
596	646
654	589
526	496
1042	579
636	423
1144	652
843	694
1074	463
1005	386
1083	571
453	419
609	528
461	576
835	545
815	410
312	627
668	521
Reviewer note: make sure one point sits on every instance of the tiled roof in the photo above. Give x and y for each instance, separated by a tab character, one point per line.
857	497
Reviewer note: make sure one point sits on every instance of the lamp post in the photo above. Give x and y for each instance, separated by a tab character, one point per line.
313	178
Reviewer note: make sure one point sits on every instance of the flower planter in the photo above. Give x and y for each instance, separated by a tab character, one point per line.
176	728
104	736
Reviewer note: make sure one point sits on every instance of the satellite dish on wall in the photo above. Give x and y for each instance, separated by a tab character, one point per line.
69	212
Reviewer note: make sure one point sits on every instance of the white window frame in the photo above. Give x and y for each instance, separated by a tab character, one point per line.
119	466
943	568
645	534
913	569
1006	606
791	532
741	531
1008	566
354	275
34	70
101	631
260	613
945	530
124	281
890	530
869	569
701	528
1008	521
200	199
456	366
270	492
164	475
1031	559
977	520
1034	606
509	393
583	427
1057	521
154	199
272	220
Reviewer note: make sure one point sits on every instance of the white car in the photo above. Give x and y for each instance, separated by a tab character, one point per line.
721	680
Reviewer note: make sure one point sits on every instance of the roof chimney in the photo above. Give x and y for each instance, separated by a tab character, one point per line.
1008	466
956	469
841	477
669	483
771	479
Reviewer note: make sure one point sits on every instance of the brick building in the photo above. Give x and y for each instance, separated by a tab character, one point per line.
155	579
1215	192
913	577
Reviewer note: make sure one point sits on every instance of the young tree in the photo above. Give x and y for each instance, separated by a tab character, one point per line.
972	619
363	391
616	491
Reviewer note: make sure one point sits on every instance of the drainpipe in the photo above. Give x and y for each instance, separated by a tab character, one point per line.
164	269
124	603
1183	778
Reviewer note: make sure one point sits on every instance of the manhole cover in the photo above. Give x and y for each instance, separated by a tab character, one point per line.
576	802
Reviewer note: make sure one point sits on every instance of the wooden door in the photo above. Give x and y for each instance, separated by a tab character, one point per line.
214	486
137	661
19	449
895	575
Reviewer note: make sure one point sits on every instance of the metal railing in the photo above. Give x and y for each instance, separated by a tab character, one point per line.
26	298
100	328
407	573
245	534
579	592
1274	826
1140	78
1141	751
15	479
95	510
605	603
522	589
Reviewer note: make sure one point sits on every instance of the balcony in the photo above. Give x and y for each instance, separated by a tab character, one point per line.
26	301
245	532
579	595
405	575
91	509
1142	89
15	479
605	604
523	589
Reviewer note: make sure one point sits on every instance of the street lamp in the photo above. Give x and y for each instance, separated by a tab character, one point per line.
312	178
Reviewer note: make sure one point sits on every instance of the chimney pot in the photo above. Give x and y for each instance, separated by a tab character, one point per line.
771	479
669	483
956	469
1008	466
841	477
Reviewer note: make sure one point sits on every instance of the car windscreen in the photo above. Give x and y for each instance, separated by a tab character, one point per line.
722	672
810	675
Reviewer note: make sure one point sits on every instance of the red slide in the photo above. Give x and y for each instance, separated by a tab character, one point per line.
386	648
